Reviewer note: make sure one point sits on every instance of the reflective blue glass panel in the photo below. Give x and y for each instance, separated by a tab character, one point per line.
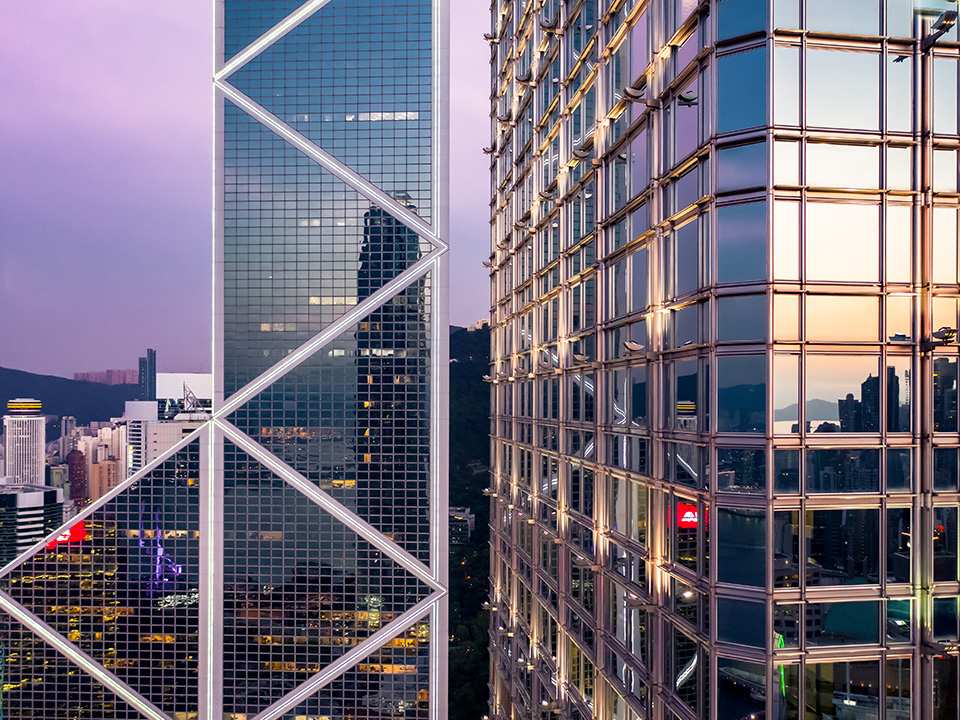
355	79
354	419
300	248
246	20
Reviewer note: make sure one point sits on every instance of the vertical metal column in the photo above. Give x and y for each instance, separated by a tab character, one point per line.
211	575
924	256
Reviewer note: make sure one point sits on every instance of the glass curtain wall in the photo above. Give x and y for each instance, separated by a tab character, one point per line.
713	258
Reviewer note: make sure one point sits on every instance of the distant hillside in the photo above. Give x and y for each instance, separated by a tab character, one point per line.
470	563
86	401
469	397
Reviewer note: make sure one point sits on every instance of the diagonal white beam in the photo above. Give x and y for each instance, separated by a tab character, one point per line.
80	658
347	174
360	526
339	326
346	662
88	511
270	37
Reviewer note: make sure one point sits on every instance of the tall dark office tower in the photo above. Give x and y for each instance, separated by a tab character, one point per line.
286	560
724	277
147	376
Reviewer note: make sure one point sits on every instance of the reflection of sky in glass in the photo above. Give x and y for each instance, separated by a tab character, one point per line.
742	167
786	240
899	243
856	17
685	118
899	168
742	240
944	245
944	312
786	317
900	103
786	163
742	318
945	95
786	73
786	390
743	90
246	20
739	17
899	316
945	170
843	242
842	318
843	89
355	79
742	393
843	166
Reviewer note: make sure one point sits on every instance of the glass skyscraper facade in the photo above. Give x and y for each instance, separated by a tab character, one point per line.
288	558
724	252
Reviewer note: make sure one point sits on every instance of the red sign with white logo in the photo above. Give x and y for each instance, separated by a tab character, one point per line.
687	516
75	534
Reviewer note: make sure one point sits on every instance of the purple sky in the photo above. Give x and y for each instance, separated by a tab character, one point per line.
105	175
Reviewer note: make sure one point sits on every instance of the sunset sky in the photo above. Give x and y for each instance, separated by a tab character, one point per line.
105	187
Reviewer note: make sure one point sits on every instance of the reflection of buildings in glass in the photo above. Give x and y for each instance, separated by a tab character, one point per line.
861	415
861	471
898	547
945	543
787	623
827	480
898	411
851	414
845	543
391	374
839	471
945	394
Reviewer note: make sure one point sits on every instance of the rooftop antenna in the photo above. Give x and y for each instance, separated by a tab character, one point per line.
190	401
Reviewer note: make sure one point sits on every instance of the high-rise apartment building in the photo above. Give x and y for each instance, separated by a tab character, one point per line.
78	477
25	441
147	438
110	377
147	376
287	559
68	428
724	283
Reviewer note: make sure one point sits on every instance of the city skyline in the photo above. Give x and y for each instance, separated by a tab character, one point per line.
108	168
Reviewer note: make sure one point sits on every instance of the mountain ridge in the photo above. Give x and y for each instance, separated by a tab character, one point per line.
86	401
